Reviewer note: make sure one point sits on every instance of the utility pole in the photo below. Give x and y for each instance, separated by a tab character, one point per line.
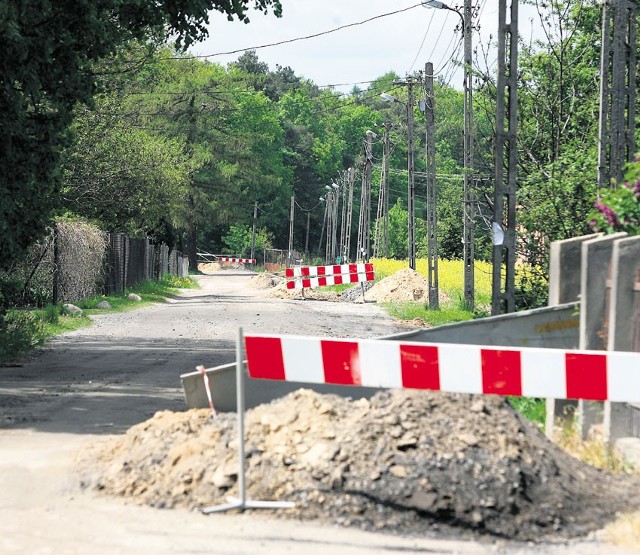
306	239
617	90
293	207
334	235
324	221
411	198
469	191
432	215
380	243
364	231
327	245
253	233
504	225
347	238
343	223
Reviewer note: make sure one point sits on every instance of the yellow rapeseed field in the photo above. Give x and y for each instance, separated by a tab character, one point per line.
450	274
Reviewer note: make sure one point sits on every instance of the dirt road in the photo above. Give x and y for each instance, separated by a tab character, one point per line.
102	380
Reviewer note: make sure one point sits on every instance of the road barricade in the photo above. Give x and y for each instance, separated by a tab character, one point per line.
447	367
310	277
234	259
454	368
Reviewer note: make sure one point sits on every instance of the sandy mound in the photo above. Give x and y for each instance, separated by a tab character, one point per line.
407	461
210	266
280	291
264	280
404	285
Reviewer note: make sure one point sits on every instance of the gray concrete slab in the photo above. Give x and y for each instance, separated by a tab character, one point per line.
624	328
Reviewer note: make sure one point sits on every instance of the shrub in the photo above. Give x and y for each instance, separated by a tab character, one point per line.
19	332
618	208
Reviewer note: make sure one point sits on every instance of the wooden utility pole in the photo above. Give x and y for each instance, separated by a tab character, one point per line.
306	238
327	248
343	219
291	216
617	90
432	216
411	189
324	221
380	242
253	233
347	238
504	219
364	224
469	200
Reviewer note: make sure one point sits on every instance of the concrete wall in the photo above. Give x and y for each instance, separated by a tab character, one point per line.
594	295
555	327
565	262
622	419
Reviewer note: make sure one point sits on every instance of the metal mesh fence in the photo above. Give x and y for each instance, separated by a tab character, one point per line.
77	260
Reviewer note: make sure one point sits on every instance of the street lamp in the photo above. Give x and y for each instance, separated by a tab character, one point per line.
436	4
411	206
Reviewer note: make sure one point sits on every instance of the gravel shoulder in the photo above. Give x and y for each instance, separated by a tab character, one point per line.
94	384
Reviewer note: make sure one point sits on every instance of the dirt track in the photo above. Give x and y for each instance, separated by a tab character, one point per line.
104	379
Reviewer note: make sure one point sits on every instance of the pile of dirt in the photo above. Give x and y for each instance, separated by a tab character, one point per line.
209	266
280	291
404	285
264	280
403	461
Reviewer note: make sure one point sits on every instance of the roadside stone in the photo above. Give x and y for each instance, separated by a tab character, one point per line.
134	297
72	309
104	305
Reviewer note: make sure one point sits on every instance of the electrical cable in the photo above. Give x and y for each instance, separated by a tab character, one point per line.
422	43
296	39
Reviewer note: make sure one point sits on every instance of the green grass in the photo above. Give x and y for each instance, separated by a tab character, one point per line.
531	408
150	292
410	310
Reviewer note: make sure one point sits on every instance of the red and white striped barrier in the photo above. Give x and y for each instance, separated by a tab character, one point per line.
522	372
242	260
310	277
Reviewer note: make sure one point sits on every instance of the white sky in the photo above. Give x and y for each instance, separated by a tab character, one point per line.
355	54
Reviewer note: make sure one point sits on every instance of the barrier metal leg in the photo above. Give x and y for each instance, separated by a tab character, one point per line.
242	502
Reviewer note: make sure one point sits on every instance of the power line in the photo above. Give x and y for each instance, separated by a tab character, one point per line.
296	39
423	41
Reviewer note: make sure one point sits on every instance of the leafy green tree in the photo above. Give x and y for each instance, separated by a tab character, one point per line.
398	231
47	53
239	238
125	178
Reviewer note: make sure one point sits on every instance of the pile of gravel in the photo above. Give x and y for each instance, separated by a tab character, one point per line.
407	461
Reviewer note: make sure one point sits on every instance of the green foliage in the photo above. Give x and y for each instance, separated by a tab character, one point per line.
51	314
46	68
411	310
19	332
532	288
238	240
532	408
618	209
126	178
398	231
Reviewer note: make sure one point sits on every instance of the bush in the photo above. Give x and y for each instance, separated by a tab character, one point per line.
618	209
19	332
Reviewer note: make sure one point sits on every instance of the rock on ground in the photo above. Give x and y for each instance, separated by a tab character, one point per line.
407	461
